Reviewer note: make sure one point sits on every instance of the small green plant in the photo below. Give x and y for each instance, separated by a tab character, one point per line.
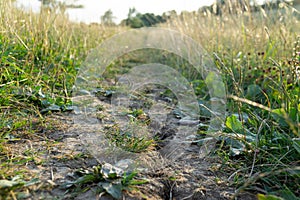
106	178
10	188
133	138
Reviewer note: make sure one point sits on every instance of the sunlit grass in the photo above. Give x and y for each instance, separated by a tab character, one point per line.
40	55
258	55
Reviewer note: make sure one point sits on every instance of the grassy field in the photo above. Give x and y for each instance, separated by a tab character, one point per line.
258	54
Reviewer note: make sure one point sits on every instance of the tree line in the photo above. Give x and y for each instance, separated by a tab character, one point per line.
134	19
137	20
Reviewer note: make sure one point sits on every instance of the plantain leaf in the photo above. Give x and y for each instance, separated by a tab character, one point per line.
234	124
268	197
115	190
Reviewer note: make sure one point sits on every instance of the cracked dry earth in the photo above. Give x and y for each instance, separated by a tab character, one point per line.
60	151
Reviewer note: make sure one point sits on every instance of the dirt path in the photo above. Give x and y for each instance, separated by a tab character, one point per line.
60	150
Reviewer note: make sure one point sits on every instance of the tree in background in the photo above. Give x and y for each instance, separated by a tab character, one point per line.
131	12
107	18
235	6
132	20
138	20
61	6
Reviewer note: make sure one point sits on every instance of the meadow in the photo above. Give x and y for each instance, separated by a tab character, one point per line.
257	53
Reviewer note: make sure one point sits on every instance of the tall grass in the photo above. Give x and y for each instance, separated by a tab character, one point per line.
40	55
242	31
258	53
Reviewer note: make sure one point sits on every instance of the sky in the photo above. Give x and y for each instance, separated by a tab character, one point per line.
94	9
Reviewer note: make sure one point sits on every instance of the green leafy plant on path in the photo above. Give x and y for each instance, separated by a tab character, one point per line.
132	138
8	187
106	178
